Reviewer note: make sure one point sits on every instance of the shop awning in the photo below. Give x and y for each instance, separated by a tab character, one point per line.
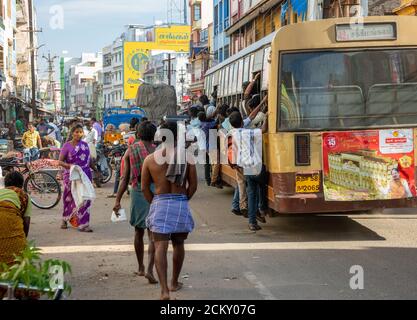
45	110
18	99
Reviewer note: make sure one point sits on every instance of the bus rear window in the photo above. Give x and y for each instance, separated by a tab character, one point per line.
336	90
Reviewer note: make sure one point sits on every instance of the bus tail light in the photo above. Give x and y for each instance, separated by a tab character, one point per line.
302	150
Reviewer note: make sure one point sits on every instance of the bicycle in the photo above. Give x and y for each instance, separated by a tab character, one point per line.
43	188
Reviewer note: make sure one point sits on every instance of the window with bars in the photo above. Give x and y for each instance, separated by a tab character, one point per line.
197	12
216	19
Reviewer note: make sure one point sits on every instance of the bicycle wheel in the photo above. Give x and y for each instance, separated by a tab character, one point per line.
44	190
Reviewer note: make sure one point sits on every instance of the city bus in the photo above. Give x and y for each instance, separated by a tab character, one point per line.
342	122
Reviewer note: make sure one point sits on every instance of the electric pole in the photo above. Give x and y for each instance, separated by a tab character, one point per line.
169	68
185	12
32	58
182	80
51	71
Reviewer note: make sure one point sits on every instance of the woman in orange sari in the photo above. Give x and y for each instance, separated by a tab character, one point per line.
15	212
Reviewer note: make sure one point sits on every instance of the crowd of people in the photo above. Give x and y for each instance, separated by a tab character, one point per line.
159	193
250	197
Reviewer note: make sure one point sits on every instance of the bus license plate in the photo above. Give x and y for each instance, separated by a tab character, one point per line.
307	183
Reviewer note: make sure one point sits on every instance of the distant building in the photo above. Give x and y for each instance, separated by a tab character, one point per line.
113	64
202	42
113	74
81	76
68	63
157	72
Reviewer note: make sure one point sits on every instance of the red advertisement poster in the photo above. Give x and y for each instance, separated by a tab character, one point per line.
369	165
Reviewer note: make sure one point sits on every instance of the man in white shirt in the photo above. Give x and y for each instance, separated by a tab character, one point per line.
91	138
249	157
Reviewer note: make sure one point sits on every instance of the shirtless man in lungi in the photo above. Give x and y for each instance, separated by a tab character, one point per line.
169	215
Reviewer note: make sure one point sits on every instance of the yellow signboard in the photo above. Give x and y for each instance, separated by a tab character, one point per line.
136	58
176	38
136	54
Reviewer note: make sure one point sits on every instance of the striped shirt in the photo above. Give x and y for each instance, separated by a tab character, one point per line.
138	154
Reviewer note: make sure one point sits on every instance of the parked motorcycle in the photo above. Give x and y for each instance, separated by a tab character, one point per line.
116	154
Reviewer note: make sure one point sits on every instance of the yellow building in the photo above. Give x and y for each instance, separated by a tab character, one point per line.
407	8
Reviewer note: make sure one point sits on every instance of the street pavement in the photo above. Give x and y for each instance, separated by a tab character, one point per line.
293	257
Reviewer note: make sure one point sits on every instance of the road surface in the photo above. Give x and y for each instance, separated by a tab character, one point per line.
293	257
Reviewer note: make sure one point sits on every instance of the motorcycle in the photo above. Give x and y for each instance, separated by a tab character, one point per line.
115	157
116	153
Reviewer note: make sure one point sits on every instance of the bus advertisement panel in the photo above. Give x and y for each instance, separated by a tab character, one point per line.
369	165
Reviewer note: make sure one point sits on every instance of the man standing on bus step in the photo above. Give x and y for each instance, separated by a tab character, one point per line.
169	215
240	199
256	184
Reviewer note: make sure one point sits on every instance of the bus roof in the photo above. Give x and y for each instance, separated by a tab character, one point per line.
252	48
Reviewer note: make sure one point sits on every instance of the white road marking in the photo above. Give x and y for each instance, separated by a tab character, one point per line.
260	287
343	245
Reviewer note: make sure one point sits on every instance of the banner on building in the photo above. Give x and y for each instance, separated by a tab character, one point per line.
369	165
176	38
136	58
136	54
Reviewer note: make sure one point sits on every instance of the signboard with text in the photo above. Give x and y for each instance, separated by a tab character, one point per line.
137	54
175	38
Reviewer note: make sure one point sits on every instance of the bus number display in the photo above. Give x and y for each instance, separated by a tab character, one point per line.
307	183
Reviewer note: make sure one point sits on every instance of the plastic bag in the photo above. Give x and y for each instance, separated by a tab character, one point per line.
121	218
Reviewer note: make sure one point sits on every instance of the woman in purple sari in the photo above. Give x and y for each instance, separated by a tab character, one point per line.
75	152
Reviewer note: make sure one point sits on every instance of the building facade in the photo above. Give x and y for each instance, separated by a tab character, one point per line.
8	60
24	81
15	63
68	64
202	43
113	74
221	22
252	20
